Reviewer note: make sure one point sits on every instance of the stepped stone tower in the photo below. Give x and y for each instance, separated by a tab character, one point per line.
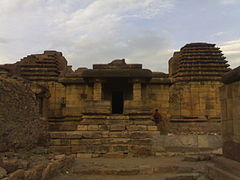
198	62
45	67
196	71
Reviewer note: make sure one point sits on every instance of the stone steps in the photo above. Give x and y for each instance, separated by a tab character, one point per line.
108	122
168	171
183	176
102	142
100	135
150	168
223	168
188	176
62	126
64	123
220	174
71	123
227	164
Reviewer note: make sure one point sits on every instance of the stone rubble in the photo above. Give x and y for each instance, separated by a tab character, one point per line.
24	166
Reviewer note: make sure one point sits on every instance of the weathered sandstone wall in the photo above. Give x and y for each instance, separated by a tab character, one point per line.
230	98
195	100
20	122
159	99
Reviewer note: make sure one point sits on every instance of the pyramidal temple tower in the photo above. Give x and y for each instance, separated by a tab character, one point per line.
198	62
195	72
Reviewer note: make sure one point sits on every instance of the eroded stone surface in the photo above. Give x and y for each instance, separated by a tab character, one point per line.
135	168
21	125
230	115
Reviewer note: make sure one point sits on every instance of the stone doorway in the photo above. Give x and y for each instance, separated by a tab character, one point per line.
117	102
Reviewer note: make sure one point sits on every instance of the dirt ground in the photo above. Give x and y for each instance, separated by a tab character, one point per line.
151	168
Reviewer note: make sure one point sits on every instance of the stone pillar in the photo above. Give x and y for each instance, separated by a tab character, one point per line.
97	90
137	90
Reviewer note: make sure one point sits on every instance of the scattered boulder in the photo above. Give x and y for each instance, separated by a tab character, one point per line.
201	157
17	175
15	166
10	165
3	173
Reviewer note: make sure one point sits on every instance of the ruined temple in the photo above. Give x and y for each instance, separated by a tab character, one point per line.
111	105
195	73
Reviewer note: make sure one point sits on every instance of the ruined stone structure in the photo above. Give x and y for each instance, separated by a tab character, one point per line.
230	96
108	108
195	73
228	166
22	124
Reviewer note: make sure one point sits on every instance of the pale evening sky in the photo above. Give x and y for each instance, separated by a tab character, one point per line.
98	31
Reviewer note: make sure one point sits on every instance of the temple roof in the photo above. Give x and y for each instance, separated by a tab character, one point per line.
198	62
117	68
194	62
104	73
117	64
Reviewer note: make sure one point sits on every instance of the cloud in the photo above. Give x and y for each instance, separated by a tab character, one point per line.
86	31
226	2
219	34
102	33
3	40
231	51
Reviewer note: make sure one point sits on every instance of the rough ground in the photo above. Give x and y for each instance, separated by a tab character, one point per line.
39	163
151	168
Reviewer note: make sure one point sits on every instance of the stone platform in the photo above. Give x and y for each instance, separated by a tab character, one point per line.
107	135
191	126
64	123
151	168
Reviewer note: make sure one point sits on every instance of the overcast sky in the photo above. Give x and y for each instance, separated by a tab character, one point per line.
98	31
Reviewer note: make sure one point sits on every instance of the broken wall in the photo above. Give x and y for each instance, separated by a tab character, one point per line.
22	121
230	105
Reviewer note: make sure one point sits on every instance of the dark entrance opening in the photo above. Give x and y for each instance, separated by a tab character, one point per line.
117	102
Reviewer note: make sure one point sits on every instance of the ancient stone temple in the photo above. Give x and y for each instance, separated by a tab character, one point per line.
109	108
114	88
195	73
